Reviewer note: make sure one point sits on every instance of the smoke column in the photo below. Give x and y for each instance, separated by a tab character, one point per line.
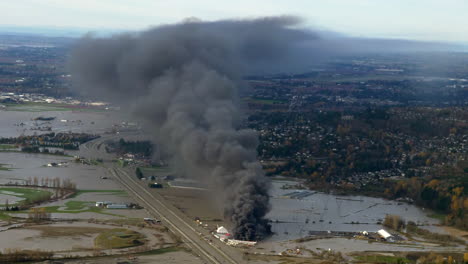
182	82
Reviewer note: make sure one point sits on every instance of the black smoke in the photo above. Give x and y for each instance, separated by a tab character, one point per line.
182	81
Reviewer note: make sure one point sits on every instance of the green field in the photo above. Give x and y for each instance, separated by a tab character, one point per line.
25	193
76	207
3	168
7	147
4	217
119	238
71	207
161	251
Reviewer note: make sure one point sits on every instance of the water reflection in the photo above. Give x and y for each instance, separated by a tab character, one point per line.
294	218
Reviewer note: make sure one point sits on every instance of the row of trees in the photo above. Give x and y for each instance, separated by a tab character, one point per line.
138	173
394	222
60	187
443	196
69	141
38	214
56	182
36	149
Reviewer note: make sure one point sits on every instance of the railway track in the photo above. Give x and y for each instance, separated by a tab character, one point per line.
207	250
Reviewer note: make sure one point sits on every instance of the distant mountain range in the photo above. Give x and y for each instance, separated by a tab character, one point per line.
328	39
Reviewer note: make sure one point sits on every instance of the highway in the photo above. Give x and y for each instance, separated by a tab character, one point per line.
210	251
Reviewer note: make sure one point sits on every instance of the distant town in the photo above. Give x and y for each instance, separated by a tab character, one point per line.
367	149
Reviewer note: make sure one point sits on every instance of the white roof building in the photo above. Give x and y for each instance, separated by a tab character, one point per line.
384	234
222	230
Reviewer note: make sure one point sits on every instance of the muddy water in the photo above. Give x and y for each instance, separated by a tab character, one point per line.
294	218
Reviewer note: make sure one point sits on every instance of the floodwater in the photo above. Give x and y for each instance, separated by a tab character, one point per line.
294	218
31	239
26	166
11	198
346	245
86	177
35	165
65	121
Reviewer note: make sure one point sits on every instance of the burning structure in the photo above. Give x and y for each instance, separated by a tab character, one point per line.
223	234
182	83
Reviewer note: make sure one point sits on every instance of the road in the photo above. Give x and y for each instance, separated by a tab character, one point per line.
196	239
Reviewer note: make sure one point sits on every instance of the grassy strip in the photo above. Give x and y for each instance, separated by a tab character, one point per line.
118	238
161	251
155	169
7	146
413	229
381	259
4	217
73	207
440	217
76	207
114	192
3	168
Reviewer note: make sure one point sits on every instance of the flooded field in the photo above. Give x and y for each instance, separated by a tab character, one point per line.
15	123
12	198
346	245
89	180
93	181
35	165
76	237
294	218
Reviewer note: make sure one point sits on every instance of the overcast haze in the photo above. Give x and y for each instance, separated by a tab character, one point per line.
433	20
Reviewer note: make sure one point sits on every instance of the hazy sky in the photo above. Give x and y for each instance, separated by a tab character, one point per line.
440	20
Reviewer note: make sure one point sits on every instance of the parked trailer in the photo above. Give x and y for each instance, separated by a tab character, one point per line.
117	206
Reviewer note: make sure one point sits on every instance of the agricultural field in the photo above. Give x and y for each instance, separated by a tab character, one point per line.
47	107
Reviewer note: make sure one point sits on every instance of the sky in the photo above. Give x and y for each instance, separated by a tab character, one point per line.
428	20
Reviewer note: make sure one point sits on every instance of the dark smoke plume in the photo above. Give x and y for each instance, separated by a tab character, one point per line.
182	81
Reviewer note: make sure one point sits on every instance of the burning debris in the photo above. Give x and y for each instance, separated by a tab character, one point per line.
181	81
